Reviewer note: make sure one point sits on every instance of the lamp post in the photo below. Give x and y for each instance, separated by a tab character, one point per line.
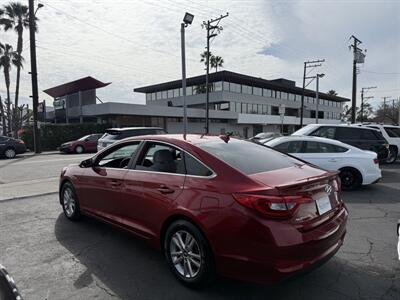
187	20
317	96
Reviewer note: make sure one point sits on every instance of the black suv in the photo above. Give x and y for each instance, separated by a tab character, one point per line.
115	134
10	147
360	137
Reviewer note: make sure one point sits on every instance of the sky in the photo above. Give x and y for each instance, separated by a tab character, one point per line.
134	43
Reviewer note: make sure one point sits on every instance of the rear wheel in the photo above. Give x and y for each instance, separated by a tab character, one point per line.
10	153
188	254
69	202
351	179
392	157
79	149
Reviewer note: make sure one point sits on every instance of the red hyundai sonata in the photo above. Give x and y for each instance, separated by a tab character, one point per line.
213	205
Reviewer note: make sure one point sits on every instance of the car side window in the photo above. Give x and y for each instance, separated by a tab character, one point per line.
119	156
158	157
295	147
393	132
312	147
195	167
367	134
282	147
325	131
344	133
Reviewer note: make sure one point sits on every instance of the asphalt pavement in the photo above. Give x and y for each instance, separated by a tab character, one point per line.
53	258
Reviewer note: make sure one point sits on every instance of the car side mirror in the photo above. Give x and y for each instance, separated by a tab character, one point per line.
87	140
87	163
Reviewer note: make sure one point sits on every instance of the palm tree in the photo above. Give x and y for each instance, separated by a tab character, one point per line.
204	57
8	58
216	61
16	16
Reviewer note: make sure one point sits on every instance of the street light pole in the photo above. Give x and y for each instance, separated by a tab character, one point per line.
188	19
35	94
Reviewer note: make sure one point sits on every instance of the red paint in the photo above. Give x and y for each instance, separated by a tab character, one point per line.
247	242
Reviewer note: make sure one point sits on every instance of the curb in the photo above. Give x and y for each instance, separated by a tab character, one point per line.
28	196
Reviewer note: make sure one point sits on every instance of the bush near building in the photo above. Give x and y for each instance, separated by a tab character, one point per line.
53	135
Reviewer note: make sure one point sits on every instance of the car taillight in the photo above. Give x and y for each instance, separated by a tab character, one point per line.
21	142
376	161
272	206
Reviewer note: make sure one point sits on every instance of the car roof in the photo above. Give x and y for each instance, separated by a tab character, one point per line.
342	125
309	138
179	138
133	128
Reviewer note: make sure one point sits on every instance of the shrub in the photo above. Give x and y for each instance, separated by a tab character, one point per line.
53	135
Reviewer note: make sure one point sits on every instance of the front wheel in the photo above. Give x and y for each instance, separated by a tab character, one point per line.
69	202
10	153
351	179
79	149
188	254
392	157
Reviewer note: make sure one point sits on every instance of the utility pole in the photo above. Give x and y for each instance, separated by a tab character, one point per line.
211	32
317	97
358	57
35	94
307	64
364	89
384	108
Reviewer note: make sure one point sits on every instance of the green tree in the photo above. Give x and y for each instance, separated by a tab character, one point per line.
16	16
203	57
8	58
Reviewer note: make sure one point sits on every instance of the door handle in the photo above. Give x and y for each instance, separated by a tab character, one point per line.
165	190
332	160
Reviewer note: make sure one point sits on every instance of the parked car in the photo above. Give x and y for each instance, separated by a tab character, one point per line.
274	217
87	143
357	167
10	147
392	134
360	137
113	135
265	136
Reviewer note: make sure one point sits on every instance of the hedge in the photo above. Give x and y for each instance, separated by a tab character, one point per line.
53	135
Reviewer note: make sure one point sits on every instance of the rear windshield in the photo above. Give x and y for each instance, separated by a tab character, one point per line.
249	157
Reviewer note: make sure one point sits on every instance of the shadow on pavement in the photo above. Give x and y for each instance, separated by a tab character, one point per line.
129	269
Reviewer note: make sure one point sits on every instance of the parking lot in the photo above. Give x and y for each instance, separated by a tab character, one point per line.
52	258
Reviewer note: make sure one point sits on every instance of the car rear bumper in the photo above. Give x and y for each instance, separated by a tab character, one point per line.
372	177
269	263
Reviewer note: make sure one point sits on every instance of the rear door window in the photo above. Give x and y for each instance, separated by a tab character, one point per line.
393	132
367	134
236	153
195	167
347	133
325	131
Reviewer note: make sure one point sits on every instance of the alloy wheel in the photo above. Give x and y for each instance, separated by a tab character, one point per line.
392	156
185	254
79	149
9	153
69	202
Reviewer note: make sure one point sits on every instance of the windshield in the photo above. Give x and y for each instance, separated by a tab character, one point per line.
236	153
111	135
393	132
84	138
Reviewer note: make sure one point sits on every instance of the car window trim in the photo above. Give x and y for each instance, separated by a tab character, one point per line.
143	147
104	153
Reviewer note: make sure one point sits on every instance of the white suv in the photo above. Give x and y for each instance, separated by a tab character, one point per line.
392	134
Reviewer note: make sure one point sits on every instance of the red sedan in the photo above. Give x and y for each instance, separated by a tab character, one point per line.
87	143
213	205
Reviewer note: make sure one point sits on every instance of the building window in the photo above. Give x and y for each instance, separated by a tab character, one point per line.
148	97
234	87
292	97
278	94
170	93
158	95
264	109
266	93
257	91
189	90
259	109
218	86
247	89
153	96
284	96
275	110
226	86
244	108
164	94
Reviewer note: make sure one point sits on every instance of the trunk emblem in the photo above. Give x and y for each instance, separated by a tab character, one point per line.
328	189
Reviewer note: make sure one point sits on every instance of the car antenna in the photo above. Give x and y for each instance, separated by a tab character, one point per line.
226	137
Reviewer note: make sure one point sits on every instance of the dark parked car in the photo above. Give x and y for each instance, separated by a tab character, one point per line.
88	143
10	147
113	135
274	217
8	289
360	137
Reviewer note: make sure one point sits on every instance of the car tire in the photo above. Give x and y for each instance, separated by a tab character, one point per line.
350	178
196	266
392	156
10	153
69	202
79	149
